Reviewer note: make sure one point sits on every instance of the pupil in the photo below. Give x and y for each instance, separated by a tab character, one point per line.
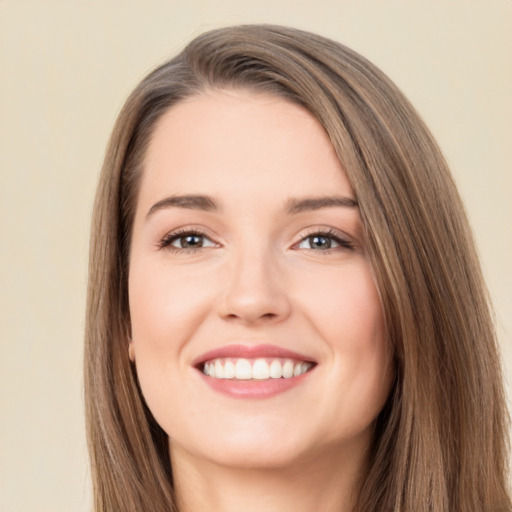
191	241
320	242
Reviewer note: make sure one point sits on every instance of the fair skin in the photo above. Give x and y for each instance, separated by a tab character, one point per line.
248	245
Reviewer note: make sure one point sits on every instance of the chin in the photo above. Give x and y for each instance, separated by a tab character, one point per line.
251	448
252	458
270	447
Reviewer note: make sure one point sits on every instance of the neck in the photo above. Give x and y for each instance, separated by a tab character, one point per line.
328	483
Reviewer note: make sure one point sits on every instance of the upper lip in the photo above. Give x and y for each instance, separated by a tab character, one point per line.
250	352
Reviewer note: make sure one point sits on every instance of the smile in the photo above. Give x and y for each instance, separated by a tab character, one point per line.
255	369
248	371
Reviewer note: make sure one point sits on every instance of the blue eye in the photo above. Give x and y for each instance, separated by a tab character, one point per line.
320	242
186	240
323	242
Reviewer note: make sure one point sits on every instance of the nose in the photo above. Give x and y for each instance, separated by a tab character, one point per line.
255	291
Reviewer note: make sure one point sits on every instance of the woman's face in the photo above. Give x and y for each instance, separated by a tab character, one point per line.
257	330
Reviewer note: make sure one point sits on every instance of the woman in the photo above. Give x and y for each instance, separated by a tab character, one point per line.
285	306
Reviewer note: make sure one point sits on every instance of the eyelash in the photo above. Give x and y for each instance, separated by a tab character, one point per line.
344	243
171	237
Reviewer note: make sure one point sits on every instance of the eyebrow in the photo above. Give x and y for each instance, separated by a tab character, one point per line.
207	203
191	202
317	203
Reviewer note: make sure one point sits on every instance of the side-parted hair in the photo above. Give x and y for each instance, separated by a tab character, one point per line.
440	443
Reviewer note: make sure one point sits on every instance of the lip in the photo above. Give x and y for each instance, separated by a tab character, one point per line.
250	352
251	389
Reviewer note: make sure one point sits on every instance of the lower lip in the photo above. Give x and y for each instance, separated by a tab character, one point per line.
253	388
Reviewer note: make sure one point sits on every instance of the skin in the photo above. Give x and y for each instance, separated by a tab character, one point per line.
256	279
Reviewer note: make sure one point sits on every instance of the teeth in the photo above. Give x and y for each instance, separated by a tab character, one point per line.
276	370
259	369
219	370
243	370
288	369
229	370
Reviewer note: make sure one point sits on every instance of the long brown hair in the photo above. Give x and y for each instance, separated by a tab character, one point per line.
441	441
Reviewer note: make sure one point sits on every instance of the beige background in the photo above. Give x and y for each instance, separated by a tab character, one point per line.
65	70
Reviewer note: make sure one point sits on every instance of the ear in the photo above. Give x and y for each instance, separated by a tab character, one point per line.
131	351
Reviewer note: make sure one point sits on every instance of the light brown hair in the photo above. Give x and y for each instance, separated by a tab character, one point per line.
440	443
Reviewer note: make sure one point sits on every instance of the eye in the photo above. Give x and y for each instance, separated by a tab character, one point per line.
320	242
186	240
323	241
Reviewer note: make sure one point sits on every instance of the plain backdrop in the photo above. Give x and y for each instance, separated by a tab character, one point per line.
66	68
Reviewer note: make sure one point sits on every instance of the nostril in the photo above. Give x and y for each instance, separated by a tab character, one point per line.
247	316
255	301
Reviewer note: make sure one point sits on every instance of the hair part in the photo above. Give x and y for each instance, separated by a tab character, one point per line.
441	441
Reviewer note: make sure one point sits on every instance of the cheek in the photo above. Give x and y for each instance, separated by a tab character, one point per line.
344	304
165	306
345	309
166	309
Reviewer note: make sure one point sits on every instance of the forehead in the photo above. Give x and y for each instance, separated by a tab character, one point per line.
241	142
